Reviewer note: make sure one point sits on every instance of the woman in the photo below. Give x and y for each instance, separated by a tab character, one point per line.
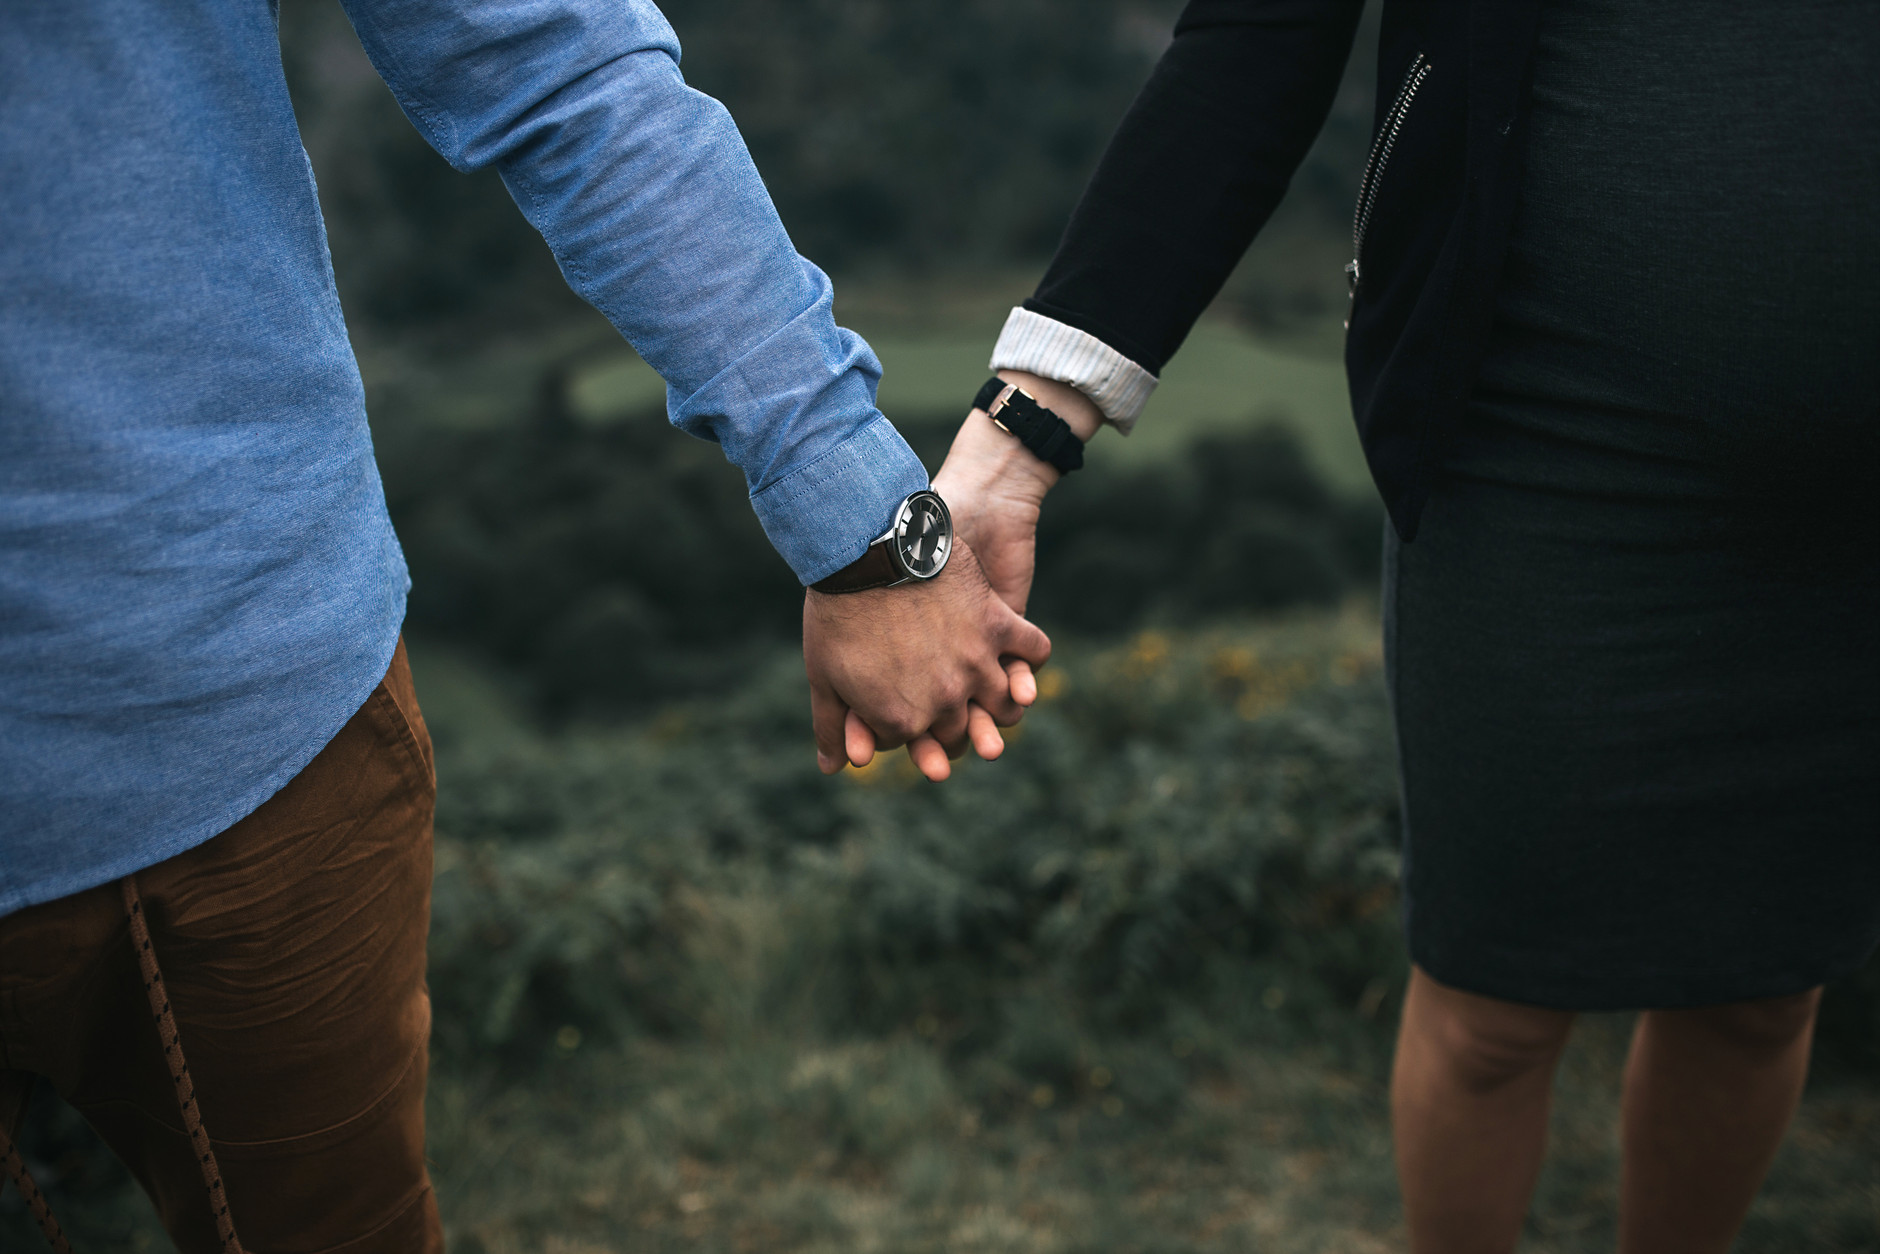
1615	355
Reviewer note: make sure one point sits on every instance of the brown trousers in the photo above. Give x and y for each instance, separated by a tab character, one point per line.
292	948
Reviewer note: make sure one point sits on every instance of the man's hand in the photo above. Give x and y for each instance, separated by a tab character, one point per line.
902	665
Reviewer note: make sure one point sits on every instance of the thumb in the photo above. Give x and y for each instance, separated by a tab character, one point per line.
1024	683
858	739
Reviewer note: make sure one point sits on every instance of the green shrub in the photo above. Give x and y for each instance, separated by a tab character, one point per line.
1182	823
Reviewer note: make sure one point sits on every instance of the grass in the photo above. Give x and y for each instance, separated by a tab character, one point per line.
870	1147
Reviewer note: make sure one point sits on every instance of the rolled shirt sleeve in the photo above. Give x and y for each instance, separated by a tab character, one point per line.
648	197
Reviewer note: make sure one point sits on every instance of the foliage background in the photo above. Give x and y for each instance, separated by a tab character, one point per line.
905	137
1132	987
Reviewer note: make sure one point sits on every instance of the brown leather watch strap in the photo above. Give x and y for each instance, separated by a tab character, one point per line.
873	569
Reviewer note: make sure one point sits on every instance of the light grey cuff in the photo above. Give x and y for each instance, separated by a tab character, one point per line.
1044	346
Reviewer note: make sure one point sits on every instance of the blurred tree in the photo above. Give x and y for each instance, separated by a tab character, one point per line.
923	132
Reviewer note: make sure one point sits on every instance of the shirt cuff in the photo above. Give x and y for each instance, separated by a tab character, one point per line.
1044	346
824	515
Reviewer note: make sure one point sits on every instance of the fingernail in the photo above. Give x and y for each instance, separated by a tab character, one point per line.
827	763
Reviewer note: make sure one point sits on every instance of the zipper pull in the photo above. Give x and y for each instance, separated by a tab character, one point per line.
1351	283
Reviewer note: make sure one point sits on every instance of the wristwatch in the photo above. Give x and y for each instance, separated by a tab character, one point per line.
915	547
1018	413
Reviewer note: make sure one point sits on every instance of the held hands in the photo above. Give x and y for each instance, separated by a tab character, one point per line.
920	664
936	665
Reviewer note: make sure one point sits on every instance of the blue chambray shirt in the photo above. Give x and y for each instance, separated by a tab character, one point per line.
198	581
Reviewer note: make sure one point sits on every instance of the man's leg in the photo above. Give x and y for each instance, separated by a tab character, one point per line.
1469	1102
1708	1095
292	953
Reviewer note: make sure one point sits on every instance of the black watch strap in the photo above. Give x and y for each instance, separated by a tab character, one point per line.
1036	427
873	569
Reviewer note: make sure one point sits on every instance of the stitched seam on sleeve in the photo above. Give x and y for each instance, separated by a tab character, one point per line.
798	483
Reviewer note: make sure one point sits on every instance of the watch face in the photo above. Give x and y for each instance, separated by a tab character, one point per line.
923	535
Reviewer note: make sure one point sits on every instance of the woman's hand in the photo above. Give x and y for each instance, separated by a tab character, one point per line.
995	486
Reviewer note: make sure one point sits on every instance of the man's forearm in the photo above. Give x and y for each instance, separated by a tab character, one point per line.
648	196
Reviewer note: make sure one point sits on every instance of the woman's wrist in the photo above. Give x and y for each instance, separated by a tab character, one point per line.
987	463
1076	409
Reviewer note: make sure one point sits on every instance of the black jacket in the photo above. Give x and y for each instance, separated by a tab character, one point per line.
1207	150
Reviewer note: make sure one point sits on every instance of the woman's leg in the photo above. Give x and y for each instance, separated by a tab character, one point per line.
1469	1098
1708	1094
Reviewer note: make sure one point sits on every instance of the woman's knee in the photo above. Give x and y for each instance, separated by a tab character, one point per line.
1767	1027
1486	1043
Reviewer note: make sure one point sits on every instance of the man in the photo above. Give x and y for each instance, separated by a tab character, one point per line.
215	781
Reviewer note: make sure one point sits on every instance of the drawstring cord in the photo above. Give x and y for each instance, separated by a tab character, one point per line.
179	1069
35	1200
185	1097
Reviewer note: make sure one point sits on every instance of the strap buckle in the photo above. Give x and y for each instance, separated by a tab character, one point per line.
999	402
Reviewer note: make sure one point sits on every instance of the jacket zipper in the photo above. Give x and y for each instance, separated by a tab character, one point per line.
1374	172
